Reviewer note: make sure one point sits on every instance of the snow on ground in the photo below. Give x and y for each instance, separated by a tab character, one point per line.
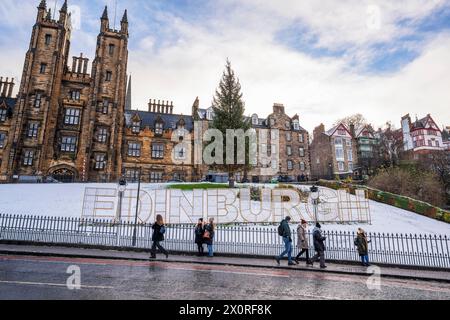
66	200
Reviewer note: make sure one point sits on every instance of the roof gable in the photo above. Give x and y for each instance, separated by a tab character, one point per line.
335	131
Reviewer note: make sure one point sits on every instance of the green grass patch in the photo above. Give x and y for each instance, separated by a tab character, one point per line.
204	186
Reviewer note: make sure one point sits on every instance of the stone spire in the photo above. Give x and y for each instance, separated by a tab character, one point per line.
104	20
43	5
105	14
49	14
124	23
64	7
128	98
125	17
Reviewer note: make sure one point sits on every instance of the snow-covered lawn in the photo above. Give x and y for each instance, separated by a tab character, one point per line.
66	200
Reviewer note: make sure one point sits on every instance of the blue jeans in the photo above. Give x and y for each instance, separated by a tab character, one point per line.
365	259
210	250
287	249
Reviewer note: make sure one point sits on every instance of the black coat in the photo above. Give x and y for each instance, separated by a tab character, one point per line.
209	228
157	235
199	232
319	240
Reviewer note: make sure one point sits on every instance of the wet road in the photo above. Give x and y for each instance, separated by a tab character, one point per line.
27	277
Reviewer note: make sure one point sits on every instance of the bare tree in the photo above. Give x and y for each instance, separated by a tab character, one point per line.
357	120
391	145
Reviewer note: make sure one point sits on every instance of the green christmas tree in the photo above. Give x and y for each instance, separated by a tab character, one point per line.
229	111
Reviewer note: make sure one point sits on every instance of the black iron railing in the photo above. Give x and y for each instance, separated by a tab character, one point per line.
396	249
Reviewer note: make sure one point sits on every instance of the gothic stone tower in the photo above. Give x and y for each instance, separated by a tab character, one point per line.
108	97
67	123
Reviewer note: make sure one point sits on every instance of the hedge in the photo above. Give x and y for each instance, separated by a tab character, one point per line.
402	202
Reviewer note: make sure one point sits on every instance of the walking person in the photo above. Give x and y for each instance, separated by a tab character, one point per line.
302	242
362	245
159	229
319	246
199	233
208	236
285	232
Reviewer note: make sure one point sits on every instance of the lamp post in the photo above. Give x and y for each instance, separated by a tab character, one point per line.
315	201
137	207
122	187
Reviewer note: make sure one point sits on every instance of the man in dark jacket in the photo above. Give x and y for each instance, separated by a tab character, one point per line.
319	246
285	233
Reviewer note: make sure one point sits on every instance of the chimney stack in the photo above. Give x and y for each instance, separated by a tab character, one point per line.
6	87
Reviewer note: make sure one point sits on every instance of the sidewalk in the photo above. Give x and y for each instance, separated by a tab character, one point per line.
399	273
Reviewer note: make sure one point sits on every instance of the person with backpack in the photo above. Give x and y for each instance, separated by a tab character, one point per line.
199	233
208	237
159	229
302	241
319	246
362	245
284	231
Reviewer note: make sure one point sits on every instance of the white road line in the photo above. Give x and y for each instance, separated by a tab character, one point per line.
51	284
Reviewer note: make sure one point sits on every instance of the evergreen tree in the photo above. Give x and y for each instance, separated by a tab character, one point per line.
229	111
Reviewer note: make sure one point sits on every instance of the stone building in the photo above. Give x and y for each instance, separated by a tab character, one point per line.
368	149
66	122
160	143
333	152
293	163
73	125
7	103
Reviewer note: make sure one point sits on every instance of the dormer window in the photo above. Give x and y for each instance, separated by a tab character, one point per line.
272	122
3	113
255	120
136	127
296	125
111	49
159	128
209	115
287	125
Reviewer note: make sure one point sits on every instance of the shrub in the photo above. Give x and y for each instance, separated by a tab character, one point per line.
421	185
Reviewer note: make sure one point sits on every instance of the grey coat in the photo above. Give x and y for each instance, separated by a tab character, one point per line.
302	238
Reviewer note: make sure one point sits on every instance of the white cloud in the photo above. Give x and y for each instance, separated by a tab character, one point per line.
190	64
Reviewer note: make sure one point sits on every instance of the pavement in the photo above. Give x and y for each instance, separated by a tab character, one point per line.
70	252
31	277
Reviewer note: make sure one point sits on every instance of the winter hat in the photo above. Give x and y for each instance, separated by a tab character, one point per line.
303	221
318	225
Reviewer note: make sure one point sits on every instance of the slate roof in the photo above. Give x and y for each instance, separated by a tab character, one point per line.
148	119
10	102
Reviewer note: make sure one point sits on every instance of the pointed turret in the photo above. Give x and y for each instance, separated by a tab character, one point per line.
49	14
42	9
124	23
64	7
128	98
63	12
195	108
105	20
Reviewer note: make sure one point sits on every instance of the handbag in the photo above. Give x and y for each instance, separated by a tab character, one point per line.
207	235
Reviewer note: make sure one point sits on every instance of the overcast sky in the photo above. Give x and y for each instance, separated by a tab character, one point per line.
322	59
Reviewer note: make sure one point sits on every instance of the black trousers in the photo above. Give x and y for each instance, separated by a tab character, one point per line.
157	244
301	253
200	248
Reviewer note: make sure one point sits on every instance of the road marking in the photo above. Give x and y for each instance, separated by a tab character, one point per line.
51	284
